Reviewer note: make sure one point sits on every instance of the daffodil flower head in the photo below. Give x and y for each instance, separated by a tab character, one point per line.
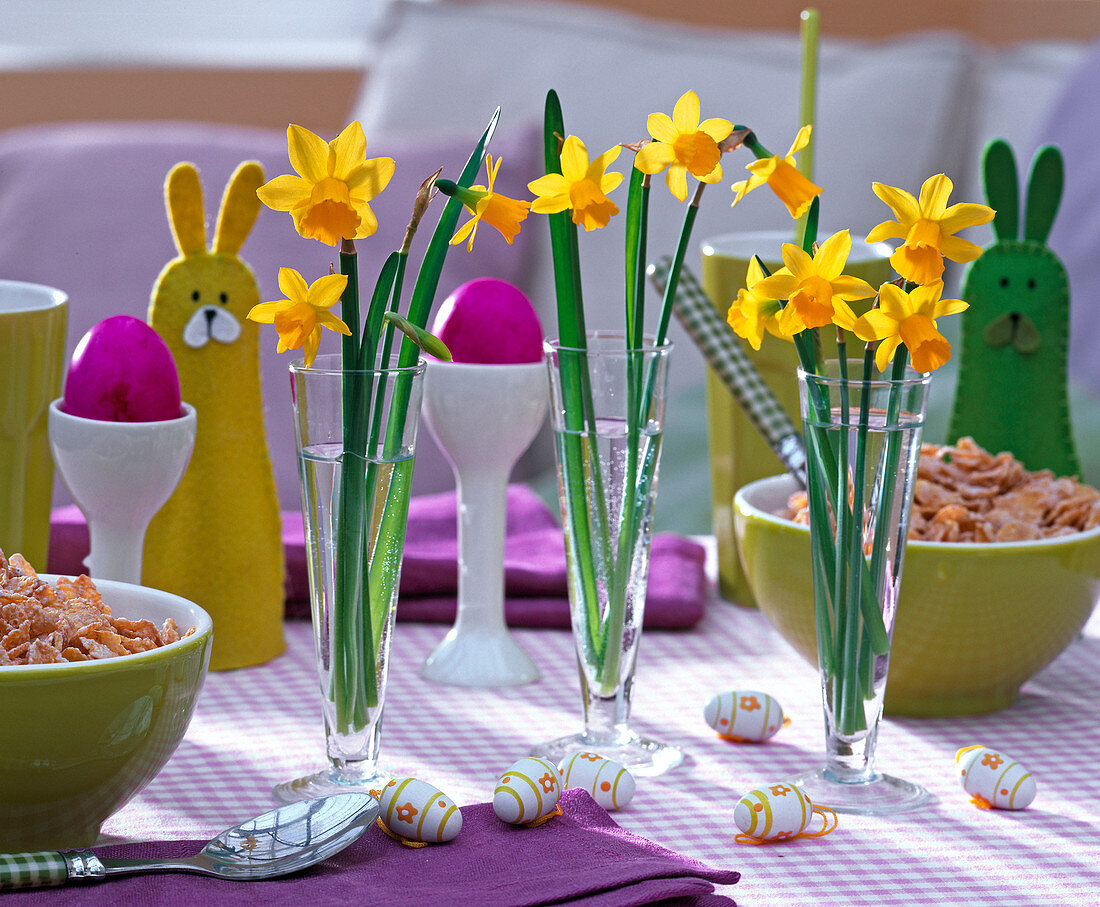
784	177
752	313
582	186
909	318
926	227
684	145
816	289
299	317
498	211
328	195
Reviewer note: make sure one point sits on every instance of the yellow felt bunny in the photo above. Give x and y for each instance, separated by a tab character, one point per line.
218	539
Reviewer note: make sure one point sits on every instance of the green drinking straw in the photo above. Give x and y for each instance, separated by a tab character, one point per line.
807	101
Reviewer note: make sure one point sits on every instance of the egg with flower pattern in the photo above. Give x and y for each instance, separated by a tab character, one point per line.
778	812
994	780
419	811
610	785
744	716
528	791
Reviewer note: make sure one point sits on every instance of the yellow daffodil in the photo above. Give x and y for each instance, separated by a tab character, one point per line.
781	173
581	186
299	318
927	227
817	291
329	197
909	318
498	211
683	144
753	313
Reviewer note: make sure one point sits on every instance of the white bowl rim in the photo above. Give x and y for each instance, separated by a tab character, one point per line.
202	622
742	499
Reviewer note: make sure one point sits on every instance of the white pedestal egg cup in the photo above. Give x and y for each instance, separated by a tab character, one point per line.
483	417
119	474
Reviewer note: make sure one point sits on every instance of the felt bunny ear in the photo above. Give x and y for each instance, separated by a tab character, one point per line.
1002	188
240	206
183	197
1044	192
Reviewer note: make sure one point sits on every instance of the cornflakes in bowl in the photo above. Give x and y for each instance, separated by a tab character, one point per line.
82	736
976	618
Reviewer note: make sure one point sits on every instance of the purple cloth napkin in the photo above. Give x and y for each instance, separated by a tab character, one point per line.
581	857
534	565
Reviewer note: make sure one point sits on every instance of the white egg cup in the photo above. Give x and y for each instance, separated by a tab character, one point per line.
483	417
119	474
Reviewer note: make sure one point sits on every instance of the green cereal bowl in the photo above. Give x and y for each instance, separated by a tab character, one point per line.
974	622
80	739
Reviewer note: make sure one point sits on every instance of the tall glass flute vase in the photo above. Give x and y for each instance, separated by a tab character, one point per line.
356	437
862	437
607	411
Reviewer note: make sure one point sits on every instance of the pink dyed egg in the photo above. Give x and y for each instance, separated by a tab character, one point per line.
489	321
122	371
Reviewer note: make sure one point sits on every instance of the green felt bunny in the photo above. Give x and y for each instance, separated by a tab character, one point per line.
1012	392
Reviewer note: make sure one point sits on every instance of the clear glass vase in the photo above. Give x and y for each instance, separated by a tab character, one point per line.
607	412
862	435
356	437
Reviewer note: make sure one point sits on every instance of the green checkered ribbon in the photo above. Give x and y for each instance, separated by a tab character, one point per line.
733	366
32	870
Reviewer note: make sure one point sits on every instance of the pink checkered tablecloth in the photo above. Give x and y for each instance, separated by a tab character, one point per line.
258	726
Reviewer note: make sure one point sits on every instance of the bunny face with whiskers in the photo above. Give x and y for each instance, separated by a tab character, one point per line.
203	296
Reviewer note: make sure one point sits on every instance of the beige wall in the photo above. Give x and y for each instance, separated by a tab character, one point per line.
274	97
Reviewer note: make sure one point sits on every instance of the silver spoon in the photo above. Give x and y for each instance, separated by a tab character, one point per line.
279	842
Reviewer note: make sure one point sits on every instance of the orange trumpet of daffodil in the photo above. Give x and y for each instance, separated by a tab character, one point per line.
927	227
329	197
752	312
498	211
684	145
816	289
581	186
784	177
298	319
909	318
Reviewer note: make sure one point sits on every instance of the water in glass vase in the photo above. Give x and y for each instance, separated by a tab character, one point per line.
352	574
607	537
862	466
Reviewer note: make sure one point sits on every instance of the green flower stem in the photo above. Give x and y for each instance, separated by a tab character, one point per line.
352	688
672	282
753	143
579	454
886	492
823	616
847	612
637	224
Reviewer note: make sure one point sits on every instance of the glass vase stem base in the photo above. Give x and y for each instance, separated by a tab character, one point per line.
329	781
639	755
880	796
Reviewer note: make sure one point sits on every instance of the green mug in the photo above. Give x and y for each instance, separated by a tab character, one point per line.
738	454
33	320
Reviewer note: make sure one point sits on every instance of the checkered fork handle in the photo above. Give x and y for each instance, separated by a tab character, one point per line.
733	366
44	868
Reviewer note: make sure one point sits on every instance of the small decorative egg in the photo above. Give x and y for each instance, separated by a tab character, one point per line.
122	371
745	716
418	811
610	785
528	791
994	780
777	812
489	320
